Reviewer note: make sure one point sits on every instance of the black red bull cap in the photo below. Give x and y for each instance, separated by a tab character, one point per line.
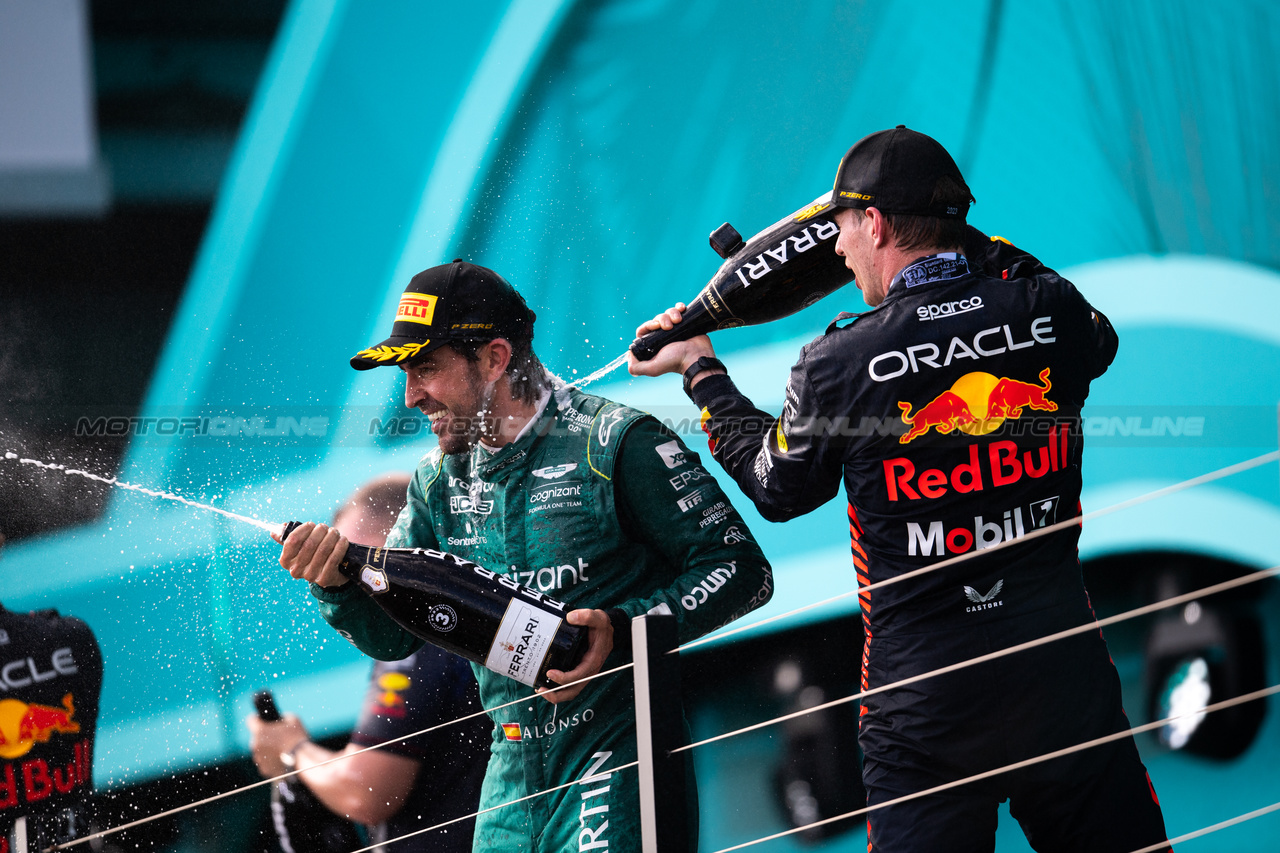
897	171
449	303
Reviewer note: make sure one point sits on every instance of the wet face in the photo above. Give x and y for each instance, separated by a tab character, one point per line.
451	392
855	245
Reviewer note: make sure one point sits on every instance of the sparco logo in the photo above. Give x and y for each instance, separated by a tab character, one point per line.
946	309
443	618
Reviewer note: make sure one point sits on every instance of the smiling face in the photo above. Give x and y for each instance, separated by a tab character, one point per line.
450	390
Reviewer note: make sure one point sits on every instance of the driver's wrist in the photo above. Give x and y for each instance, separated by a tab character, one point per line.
699	368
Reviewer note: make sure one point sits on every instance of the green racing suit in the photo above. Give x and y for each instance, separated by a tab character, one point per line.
599	506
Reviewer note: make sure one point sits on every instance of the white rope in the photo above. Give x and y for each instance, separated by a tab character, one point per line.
1247	816
1095	625
341	757
1018	765
1237	468
1205	478
589	780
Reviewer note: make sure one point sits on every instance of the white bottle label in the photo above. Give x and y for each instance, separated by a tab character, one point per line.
522	642
374	579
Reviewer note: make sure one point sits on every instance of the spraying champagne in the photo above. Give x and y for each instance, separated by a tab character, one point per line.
466	609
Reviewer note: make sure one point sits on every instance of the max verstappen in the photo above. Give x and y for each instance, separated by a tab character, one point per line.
981	358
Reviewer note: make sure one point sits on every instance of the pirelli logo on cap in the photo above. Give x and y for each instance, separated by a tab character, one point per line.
416	308
852	194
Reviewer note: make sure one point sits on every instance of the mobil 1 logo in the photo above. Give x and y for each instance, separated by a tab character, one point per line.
1043	513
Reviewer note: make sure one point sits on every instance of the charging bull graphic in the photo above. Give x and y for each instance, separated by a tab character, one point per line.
977	404
23	725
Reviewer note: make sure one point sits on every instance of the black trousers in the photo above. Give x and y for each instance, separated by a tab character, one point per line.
954	726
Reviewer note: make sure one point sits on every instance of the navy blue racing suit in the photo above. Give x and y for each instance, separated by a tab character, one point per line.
950	413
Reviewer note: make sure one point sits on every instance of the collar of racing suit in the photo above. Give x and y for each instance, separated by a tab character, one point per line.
942	266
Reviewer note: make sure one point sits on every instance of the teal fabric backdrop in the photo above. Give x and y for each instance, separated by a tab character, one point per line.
585	150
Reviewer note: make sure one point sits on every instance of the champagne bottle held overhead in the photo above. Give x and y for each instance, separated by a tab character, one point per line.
466	609
786	267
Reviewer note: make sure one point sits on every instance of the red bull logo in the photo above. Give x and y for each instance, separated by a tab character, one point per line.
978	403
390	701
23	725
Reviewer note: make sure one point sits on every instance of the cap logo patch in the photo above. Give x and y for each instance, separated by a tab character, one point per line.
389	353
851	194
416	308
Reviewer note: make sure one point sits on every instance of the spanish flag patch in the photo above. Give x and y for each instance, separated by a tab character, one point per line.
512	731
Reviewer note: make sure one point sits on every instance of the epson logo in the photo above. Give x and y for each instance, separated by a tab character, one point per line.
947	309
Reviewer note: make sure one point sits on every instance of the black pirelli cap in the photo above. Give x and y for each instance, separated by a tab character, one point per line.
451	302
897	171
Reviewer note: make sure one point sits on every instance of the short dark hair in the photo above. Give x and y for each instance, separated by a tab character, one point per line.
525	372
932	232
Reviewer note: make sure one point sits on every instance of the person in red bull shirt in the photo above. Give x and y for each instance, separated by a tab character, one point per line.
50	679
950	412
415	781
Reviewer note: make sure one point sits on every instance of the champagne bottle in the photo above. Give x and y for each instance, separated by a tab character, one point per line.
466	609
786	267
303	824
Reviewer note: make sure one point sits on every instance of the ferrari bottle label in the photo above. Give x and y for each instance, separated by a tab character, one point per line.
522	642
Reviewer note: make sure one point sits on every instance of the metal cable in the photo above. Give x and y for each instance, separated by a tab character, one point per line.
169	812
1186	484
1095	625
1247	816
589	780
1018	765
1078	520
